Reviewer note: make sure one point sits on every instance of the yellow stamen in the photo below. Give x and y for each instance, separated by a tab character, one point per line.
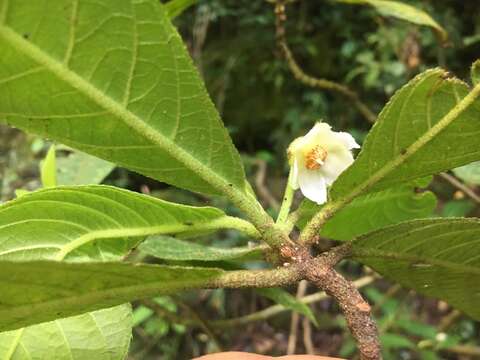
314	158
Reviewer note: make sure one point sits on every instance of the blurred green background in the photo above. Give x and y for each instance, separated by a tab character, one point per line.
233	44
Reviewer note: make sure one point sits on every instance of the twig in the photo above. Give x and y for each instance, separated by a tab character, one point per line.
292	339
449	320
307	336
473	351
460	186
263	191
309	80
204	325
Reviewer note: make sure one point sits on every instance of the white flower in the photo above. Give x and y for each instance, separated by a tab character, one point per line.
318	158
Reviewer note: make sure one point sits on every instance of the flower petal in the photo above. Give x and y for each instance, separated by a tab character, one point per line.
313	185
335	164
347	140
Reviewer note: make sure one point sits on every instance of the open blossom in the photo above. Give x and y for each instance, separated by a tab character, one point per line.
318	158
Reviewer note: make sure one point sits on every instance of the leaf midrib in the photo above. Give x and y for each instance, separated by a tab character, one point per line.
133	121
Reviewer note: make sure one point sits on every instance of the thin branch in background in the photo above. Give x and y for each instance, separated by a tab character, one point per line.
292	339
309	80
204	324
307	336
449	320
460	186
263	191
200	29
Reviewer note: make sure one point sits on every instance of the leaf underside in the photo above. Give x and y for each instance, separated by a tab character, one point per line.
112	78
169	248
436	257
83	223
409	141
59	289
372	211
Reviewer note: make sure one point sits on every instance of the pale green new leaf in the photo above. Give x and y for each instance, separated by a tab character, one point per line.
414	137
59	289
284	298
372	211
169	248
112	78
48	169
469	173
177	7
436	257
79	168
103	335
88	222
402	11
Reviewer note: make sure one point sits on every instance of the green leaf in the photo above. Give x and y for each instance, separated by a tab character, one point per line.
169	248
58	289
372	211
102	335
289	301
48	169
426	127
79	168
140	314
436	257
475	72
87	222
175	8
457	208
402	11
394	341
469	173
113	79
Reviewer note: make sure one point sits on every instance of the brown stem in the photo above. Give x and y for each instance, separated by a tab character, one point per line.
320	271
309	80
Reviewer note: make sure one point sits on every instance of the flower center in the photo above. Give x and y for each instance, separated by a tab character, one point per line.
315	158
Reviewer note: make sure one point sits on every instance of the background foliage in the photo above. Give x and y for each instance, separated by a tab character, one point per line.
264	108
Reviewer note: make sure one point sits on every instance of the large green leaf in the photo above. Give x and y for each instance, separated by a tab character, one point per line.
417	134
436	257
58	289
103	335
402	11
169	248
113	78
372	211
81	223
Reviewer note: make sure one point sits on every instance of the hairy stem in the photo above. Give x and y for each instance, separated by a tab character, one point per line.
320	271
287	201
274	310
